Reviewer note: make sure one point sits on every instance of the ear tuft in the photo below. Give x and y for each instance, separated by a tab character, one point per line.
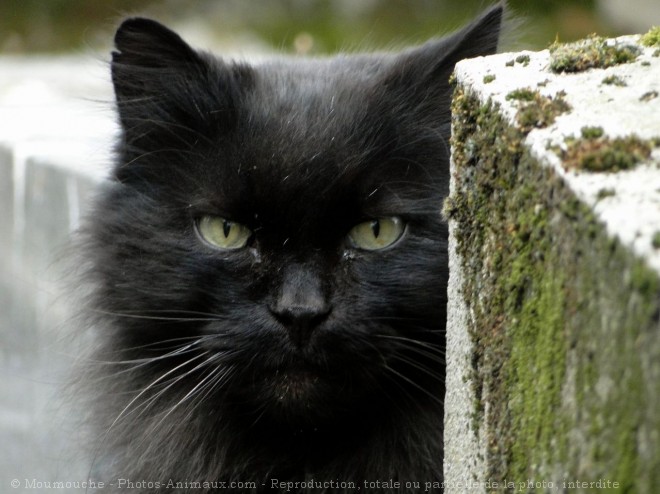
147	43
428	66
481	36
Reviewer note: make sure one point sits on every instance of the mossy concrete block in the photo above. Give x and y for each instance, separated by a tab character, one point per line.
553	337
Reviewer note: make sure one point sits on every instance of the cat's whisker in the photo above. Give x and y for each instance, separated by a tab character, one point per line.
158	345
221	378
413	384
397	356
131	392
158	318
426	370
263	408
148	360
216	378
178	311
126	409
411	400
160	311
411	322
188	394
407	340
216	358
147	404
134	365
428	352
437	357
151	385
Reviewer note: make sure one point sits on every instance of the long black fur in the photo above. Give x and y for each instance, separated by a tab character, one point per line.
198	375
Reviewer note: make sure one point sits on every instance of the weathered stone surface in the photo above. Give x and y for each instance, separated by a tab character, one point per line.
556	360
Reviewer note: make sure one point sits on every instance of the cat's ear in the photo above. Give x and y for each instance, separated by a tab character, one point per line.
163	86
479	38
146	43
147	55
425	70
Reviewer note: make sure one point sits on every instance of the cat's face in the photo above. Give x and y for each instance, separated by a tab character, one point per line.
272	242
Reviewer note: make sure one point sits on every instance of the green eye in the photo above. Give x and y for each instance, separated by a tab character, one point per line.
223	233
377	234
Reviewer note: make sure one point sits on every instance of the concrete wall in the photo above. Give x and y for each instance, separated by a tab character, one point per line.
554	333
56	128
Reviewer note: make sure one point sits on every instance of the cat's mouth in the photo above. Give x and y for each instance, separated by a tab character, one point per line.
301	387
296	389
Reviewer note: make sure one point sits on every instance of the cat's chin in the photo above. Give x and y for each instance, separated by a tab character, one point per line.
297	393
295	385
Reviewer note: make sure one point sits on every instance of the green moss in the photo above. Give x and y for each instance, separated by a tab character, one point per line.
489	78
452	80
593	52
605	155
523	59
524	94
643	280
655	240
605	193
656	53
537	364
652	37
516	255
564	319
614	80
536	110
592	132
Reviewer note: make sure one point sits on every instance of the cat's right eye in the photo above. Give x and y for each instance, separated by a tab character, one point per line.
222	233
377	234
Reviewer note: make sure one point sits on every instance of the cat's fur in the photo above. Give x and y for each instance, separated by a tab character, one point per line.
299	356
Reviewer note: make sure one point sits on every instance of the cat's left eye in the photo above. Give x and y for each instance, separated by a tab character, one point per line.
222	233
377	234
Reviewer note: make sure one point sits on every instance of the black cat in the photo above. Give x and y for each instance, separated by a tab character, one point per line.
269	268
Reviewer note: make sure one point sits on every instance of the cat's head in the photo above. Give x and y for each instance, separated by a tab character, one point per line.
271	239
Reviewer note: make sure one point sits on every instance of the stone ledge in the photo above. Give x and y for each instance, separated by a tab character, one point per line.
553	335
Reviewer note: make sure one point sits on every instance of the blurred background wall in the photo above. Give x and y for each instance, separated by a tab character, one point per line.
309	26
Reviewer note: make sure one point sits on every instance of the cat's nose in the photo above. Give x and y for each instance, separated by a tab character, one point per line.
301	304
301	320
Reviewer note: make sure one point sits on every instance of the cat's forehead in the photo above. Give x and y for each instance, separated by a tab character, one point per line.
319	90
313	109
320	77
313	126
